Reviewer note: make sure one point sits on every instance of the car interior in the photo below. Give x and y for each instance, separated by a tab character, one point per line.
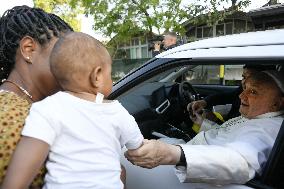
159	105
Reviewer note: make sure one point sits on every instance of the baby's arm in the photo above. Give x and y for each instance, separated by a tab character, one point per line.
26	162
131	134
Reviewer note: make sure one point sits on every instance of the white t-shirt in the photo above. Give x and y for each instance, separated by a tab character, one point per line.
85	140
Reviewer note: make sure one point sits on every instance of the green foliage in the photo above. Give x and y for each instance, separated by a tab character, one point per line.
125	18
68	10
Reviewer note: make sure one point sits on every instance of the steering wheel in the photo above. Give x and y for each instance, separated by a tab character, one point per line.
187	93
180	117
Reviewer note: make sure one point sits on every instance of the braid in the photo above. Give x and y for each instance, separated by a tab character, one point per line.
22	21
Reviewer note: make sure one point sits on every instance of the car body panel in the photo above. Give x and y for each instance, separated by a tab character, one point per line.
163	177
271	51
260	38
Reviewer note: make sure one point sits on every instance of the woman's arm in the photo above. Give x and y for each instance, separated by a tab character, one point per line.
26	162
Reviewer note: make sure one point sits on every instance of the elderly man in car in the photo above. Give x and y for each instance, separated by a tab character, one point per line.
234	152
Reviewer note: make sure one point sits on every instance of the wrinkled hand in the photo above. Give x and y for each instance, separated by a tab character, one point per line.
197	118
195	110
154	153
196	106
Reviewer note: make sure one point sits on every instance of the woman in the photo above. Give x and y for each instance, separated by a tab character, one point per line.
237	150
27	36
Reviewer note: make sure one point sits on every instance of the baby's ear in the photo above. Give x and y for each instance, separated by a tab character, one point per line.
96	77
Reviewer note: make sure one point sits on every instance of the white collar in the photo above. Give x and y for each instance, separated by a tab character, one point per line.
270	114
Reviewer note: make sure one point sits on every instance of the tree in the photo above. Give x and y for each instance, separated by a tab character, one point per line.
67	10
123	18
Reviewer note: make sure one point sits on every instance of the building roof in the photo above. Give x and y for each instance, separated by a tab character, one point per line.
235	15
267	10
268	16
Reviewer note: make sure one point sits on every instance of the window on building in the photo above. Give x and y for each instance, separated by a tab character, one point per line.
135	41
191	33
204	32
138	48
143	40
207	32
229	28
144	51
240	26
127	52
220	30
249	26
199	32
138	53
132	53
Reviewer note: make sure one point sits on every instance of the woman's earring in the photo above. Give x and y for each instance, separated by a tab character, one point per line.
29	60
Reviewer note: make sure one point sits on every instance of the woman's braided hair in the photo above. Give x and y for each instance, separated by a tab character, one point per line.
22	21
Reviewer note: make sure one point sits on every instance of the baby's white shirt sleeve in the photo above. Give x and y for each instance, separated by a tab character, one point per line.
131	135
39	125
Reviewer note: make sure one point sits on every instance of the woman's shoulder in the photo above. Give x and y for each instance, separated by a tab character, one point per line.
13	111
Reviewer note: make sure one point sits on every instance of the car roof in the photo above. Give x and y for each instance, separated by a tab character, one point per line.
258	44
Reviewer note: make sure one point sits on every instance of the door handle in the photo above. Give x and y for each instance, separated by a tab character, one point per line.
163	107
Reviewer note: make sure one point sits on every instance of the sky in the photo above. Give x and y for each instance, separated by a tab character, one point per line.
87	22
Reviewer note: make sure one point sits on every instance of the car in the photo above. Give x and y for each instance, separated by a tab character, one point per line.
157	94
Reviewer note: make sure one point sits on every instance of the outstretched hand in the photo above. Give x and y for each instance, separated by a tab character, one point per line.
154	153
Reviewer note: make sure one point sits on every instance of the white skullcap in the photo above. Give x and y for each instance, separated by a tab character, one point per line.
278	78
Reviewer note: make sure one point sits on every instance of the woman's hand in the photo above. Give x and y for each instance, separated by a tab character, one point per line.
154	153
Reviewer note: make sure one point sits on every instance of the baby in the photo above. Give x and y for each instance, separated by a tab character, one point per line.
81	133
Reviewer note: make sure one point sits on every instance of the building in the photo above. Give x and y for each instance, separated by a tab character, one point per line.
136	47
268	17
238	22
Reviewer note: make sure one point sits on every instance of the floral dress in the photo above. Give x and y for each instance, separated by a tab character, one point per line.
13	111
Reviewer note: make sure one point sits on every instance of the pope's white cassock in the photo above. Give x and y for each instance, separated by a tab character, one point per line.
231	153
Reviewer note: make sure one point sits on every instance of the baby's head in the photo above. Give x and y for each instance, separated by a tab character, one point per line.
80	63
